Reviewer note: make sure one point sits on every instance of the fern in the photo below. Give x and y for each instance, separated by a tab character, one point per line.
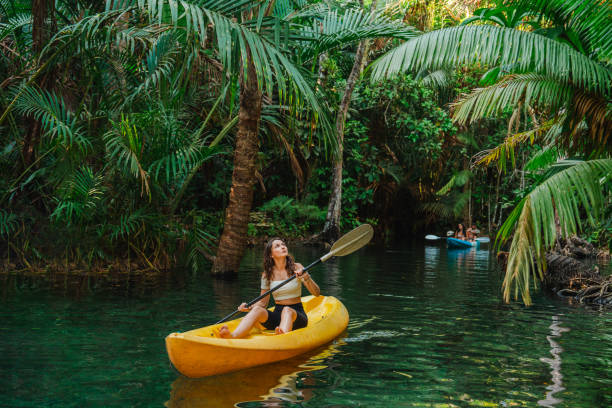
285	208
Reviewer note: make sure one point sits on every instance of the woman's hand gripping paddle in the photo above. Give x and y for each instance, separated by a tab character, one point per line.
348	243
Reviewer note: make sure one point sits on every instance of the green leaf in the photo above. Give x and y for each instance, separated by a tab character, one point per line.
567	193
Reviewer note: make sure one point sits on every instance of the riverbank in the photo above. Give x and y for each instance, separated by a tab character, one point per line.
137	264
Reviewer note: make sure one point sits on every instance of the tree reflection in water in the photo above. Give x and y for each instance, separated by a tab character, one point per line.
270	385
555	364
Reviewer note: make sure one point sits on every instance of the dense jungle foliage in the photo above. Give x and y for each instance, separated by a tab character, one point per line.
121	122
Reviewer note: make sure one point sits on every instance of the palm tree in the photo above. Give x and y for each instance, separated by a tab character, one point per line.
259	48
331	228
254	42
330	28
568	83
123	118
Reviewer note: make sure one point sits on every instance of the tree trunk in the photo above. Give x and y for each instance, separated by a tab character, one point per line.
42	10
40	30
331	229
495	225
233	239
322	75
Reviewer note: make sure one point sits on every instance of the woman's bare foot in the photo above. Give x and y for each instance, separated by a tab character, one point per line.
278	330
224	332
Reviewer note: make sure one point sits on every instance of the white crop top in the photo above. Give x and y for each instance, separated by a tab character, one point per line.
291	290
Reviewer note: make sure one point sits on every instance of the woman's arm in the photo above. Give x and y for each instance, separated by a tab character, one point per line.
310	284
263	302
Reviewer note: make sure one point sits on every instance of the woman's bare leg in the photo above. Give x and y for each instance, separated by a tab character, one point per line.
288	316
257	315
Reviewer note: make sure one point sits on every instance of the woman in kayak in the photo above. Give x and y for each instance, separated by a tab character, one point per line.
472	233
460	234
289	312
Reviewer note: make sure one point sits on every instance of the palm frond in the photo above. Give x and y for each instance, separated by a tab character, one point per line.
89	33
274	70
531	89
353	25
460	201
13	24
597	112
57	121
300	9
159	62
182	156
542	159
590	19
522	255
458	179
124	147
130	37
520	51
505	151
8	223
563	196
79	195
201	244
129	224
438	209
439	79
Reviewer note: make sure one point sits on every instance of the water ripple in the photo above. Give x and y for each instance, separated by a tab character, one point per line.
427	328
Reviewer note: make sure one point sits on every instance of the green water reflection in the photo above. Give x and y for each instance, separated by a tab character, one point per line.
427	328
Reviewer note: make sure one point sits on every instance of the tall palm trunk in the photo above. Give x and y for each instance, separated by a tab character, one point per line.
43	23
331	228
233	239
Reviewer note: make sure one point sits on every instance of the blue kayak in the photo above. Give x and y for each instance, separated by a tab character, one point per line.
454	243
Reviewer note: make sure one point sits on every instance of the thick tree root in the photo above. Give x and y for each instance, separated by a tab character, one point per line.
570	278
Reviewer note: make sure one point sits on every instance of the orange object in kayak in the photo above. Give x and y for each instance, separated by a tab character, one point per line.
199	353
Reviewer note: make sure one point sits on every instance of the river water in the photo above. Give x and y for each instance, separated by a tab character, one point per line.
427	329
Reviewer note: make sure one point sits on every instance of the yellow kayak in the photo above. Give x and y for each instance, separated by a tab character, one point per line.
199	353
274	381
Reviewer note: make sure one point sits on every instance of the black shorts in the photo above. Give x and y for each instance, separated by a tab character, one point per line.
274	317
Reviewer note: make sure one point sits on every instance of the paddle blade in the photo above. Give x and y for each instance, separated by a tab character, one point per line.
431	237
483	239
351	241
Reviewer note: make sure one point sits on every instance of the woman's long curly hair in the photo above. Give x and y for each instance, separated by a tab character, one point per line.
268	261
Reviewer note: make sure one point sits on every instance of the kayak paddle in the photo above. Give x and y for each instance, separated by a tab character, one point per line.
435	238
348	243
